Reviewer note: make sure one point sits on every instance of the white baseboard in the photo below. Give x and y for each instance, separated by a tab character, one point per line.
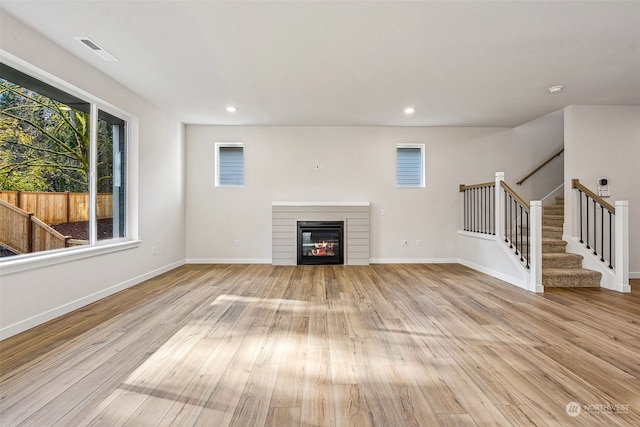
371	261
634	275
228	261
31	322
413	261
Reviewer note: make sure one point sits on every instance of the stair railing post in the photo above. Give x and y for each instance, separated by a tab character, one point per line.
621	264
535	236
498	208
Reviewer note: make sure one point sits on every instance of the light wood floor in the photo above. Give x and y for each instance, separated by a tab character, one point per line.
383	345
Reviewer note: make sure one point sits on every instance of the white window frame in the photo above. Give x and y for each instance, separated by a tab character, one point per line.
42	259
219	145
421	147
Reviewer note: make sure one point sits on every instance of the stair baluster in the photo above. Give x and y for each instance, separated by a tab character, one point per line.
591	231
595	229
587	210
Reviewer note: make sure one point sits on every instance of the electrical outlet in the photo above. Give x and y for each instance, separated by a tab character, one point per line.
405	243
383	212
153	250
418	242
236	243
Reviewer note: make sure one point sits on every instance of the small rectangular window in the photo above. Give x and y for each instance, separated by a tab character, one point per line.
410	165
230	164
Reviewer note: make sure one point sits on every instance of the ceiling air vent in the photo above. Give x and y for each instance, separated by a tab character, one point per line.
96	49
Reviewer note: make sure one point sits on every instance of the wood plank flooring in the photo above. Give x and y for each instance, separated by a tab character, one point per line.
378	345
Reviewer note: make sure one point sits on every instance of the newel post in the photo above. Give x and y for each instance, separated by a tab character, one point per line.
497	211
535	242
622	247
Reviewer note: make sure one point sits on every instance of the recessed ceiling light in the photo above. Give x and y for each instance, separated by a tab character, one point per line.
555	89
409	110
231	109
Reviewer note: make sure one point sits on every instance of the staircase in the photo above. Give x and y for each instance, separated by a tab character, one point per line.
559	268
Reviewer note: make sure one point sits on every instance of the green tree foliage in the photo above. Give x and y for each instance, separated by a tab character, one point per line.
44	144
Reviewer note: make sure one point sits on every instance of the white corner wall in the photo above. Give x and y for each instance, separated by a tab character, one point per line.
537	141
604	142
33	296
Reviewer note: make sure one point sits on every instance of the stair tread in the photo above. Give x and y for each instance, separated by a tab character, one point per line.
552	240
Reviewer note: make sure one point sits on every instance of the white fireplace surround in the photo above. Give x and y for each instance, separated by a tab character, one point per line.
285	217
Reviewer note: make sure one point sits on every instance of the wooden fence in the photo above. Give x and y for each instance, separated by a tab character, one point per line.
59	208
22	232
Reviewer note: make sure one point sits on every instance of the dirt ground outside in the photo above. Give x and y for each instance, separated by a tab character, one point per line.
80	230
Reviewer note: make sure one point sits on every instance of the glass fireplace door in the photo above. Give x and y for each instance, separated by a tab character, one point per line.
320	242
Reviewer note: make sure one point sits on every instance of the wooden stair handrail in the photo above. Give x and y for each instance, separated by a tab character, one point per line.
514	195
540	167
469	187
575	184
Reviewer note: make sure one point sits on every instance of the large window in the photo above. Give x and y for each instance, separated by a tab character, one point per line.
63	168
410	165
229	164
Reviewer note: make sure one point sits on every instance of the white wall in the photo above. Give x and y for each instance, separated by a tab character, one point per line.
33	296
359	166
604	142
537	141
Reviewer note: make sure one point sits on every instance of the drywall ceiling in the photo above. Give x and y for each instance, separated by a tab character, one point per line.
356	63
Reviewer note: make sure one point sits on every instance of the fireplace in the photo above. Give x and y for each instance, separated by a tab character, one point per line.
320	242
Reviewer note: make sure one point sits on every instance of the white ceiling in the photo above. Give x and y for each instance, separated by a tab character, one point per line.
476	63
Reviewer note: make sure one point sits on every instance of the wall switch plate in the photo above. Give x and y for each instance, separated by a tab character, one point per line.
405	243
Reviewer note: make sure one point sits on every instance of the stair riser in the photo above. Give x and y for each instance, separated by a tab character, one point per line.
553	210
562	263
552	222
564	283
571	278
554	248
552	234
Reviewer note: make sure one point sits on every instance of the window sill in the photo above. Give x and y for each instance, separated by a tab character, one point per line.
36	261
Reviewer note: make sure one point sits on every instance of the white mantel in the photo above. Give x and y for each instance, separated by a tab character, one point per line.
284	221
